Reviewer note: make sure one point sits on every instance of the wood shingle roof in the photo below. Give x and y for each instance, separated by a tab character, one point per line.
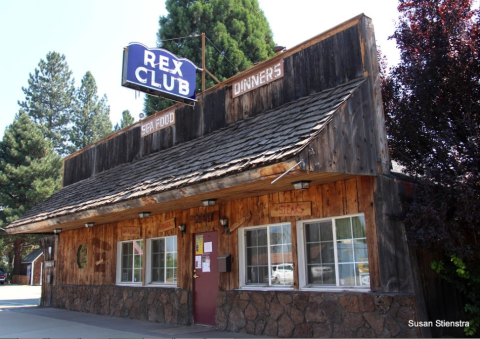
266	138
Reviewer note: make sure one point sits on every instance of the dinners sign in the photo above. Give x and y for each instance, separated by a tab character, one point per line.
159	72
261	77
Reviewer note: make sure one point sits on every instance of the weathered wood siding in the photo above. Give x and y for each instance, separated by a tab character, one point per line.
328	200
345	53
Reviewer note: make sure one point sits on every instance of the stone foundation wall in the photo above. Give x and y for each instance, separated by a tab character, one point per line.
163	305
316	315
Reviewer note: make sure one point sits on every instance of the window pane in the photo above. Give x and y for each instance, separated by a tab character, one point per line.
171	244
345	251
158	275
326	232
252	256
363	274
276	235
358	224
313	253
328	253
126	275
171	276
257	275
346	274
138	261
137	275
344	229
312	232
360	248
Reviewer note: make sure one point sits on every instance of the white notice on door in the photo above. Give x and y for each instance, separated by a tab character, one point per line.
206	263
207	247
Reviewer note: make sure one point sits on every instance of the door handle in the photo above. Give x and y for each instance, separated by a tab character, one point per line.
195	276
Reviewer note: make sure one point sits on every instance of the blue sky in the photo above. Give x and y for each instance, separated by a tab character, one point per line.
92	34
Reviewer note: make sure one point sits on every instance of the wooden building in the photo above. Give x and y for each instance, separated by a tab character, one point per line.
32	266
260	252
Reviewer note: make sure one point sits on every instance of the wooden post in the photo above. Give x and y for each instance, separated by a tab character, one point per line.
203	62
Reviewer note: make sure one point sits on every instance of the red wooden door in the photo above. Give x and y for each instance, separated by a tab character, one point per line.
205	282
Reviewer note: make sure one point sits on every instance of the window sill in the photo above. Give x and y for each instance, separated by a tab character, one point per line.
265	288
334	289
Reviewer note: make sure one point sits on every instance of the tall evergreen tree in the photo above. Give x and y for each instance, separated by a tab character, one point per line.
127	120
30	171
48	99
238	28
91	116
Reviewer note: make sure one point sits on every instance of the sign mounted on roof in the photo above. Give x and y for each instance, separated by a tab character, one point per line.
261	77
158	72
157	122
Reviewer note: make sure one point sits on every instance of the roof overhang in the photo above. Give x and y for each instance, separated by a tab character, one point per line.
254	182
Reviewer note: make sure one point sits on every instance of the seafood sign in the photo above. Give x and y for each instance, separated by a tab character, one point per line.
156	71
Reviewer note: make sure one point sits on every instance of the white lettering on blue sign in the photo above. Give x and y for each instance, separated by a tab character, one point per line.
159	71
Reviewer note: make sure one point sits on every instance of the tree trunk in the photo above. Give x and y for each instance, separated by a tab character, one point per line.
17	265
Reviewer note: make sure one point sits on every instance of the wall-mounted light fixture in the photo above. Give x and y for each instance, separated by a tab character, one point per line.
224	223
57	230
89	224
278	49
301	185
182	228
143	215
209	202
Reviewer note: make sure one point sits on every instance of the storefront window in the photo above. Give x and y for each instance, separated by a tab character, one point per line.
131	254
162	260
334	252
268	259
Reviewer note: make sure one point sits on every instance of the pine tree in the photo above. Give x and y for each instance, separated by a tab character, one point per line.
91	116
30	171
48	99
238	28
127	120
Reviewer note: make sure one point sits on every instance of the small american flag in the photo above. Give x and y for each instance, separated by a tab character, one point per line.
137	248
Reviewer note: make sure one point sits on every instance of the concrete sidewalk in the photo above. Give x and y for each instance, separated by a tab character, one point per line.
37	322
20	317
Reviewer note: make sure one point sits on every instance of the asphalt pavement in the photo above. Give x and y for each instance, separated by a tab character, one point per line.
20	317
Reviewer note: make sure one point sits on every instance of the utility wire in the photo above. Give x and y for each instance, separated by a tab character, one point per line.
222	54
198	35
183	37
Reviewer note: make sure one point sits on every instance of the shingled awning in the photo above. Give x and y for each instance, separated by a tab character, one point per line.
267	138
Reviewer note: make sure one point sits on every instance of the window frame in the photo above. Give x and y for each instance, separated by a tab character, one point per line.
148	266
242	252
119	263
302	255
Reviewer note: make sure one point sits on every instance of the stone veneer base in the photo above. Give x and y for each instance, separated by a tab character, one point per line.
271	313
316	314
163	305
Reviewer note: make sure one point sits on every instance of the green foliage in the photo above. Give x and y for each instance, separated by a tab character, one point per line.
30	171
127	120
91	116
466	278
238	28
48	99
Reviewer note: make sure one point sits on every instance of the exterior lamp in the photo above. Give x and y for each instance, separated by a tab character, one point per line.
224	223
301	185
89	224
182	228
209	202
57	230
278	49
143	215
